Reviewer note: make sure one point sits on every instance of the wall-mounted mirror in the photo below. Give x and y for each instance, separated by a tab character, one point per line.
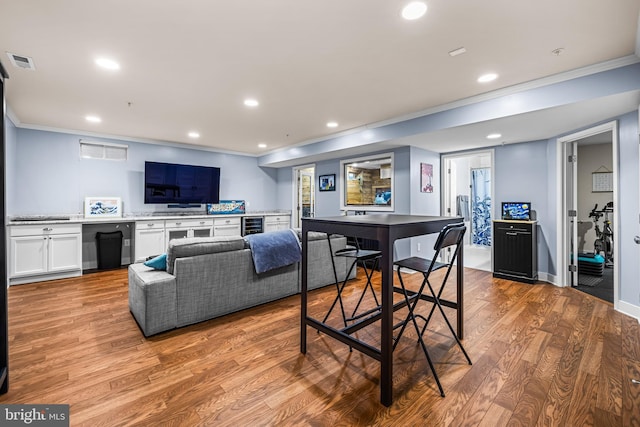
367	183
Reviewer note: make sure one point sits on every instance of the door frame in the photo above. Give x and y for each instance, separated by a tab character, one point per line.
296	203
445	179
563	275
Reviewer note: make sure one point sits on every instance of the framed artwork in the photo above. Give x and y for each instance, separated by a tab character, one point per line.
426	178
328	182
602	182
101	207
226	207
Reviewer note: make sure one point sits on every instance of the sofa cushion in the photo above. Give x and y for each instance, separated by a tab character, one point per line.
179	248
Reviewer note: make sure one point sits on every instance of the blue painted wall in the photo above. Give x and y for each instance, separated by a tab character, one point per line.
49	177
521	174
11	141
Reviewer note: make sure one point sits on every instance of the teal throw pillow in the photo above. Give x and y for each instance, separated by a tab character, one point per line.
157	263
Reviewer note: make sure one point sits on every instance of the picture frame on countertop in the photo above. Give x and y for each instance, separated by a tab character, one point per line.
101	207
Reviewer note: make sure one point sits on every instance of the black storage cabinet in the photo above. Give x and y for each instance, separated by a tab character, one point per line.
109	249
515	250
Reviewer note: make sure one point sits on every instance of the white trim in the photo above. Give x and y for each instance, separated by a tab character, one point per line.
629	309
134	139
445	182
561	219
372	208
295	213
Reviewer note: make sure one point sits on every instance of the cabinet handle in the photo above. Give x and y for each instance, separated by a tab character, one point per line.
150	224
228	221
47	229
511	234
201	222
178	223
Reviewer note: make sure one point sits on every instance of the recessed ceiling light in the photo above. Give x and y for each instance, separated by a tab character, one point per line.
107	63
193	134
458	51
251	103
494	136
332	125
485	78
262	145
414	10
93	119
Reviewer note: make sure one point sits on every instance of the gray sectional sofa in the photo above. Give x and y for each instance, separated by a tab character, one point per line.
211	277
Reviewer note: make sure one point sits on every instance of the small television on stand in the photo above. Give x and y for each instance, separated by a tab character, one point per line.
179	185
517	211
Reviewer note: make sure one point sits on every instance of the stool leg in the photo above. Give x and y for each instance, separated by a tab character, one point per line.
411	316
369	274
338	298
437	299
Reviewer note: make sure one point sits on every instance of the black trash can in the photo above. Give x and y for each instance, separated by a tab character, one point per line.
109	249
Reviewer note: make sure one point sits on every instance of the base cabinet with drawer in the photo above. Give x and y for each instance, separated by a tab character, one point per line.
227	226
149	239
187	228
515	250
275	223
44	252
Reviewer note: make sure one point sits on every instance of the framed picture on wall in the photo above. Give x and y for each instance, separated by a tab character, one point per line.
328	182
426	178
101	207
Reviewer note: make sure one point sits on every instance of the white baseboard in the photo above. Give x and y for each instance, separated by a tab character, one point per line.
629	309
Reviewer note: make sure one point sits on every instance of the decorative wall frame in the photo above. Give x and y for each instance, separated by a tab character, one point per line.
226	207
101	207
426	178
327	182
601	182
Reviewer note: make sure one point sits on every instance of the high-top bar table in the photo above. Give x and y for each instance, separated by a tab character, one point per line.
386	229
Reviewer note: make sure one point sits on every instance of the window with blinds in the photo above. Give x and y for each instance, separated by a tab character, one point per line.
102	150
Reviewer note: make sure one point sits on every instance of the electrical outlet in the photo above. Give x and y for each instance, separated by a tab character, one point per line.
127	242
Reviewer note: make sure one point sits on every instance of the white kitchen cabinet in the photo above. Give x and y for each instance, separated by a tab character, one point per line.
44	252
227	227
276	222
149	239
179	229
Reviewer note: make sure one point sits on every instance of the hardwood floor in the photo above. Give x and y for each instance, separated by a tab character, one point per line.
541	355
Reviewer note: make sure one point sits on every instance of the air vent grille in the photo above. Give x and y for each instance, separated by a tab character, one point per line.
21	61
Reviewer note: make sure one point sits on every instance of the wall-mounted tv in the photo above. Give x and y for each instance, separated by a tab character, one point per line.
516	211
170	183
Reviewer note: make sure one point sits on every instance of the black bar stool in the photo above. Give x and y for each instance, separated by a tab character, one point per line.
360	257
451	235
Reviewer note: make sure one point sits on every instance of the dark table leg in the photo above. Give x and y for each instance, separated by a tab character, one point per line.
303	294
386	345
460	291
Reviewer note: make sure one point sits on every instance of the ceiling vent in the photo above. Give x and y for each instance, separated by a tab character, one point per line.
23	62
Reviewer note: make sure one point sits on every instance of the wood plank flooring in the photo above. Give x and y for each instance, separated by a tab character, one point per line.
541	355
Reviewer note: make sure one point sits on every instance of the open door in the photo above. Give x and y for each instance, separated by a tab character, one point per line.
304	197
571	158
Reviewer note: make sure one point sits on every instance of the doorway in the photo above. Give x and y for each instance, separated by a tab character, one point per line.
589	211
304	193
468	192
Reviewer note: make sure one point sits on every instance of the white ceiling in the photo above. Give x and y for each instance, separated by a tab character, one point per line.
188	65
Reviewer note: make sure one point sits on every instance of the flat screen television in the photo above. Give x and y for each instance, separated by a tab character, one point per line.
170	183
516	211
